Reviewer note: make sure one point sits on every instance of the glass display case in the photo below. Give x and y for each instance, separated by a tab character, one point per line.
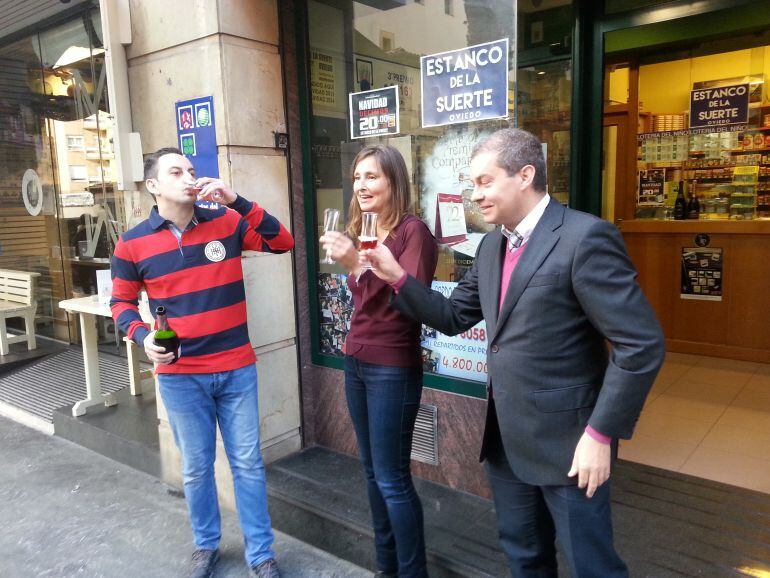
727	172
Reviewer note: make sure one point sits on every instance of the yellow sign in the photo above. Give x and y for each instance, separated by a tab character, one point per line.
322	79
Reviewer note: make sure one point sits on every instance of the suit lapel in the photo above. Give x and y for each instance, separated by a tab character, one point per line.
495	275
538	247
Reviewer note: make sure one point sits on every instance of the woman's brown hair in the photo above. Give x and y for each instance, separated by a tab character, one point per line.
393	168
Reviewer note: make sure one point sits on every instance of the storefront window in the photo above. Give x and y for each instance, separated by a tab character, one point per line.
60	214
27	196
360	46
704	139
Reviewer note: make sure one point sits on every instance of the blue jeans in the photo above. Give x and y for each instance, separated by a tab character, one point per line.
383	403
196	402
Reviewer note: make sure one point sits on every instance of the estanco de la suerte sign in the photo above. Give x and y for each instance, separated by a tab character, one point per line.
465	85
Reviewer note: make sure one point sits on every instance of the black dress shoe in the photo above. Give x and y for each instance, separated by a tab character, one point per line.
203	562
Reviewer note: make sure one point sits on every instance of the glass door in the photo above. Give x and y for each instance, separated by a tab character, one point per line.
28	218
60	211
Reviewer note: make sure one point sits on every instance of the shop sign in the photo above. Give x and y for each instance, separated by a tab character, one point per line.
374	112
463	355
196	133
702	273
644	137
719	106
465	85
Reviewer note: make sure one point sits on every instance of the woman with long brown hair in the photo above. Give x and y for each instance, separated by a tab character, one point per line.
383	362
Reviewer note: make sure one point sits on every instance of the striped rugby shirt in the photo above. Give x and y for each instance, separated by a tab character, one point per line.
198	279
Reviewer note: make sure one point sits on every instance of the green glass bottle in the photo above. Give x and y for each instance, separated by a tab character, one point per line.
165	336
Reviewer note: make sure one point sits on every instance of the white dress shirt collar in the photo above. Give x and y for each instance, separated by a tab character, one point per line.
523	230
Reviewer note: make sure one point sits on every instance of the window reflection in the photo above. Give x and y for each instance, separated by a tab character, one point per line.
55	125
27	196
545	95
358	46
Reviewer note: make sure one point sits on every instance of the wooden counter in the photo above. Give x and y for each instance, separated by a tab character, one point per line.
738	326
755	227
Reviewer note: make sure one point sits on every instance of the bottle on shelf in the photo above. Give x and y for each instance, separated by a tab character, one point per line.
680	205
693	205
165	336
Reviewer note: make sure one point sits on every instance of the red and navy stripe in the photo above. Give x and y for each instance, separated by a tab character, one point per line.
205	300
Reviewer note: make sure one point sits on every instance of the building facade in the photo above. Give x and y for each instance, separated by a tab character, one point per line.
90	86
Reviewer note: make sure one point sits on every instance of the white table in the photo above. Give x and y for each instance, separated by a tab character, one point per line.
88	308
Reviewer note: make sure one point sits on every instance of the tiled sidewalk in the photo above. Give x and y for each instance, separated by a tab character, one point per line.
707	417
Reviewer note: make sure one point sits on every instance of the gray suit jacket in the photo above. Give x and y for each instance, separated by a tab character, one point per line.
573	293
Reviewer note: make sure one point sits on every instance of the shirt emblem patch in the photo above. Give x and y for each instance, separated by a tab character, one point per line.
215	251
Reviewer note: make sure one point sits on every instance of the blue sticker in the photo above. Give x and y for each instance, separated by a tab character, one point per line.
196	133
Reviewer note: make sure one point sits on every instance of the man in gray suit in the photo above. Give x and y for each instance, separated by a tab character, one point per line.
573	349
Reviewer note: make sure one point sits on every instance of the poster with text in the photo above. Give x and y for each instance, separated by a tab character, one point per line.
702	273
465	85
377	73
651	187
445	175
374	112
322	79
463	355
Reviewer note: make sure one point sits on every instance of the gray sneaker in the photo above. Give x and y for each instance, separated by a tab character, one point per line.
267	569
203	562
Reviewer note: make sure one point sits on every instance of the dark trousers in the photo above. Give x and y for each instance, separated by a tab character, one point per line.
530	517
383	403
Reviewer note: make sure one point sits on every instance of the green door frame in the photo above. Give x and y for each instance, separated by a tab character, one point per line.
597	35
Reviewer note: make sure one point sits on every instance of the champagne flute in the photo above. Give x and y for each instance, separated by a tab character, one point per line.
331	218
368	237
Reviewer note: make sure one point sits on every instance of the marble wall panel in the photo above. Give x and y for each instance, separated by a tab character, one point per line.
460	429
252	19
278	393
157	25
269	298
159	80
253	83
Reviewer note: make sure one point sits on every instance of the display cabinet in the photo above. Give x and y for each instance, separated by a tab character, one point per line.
728	172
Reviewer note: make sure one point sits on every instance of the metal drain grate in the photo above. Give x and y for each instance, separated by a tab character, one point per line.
57	381
425	440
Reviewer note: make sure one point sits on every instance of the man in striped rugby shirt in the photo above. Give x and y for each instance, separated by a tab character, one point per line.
188	259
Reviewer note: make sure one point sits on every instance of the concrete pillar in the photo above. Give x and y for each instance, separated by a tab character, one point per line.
184	49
